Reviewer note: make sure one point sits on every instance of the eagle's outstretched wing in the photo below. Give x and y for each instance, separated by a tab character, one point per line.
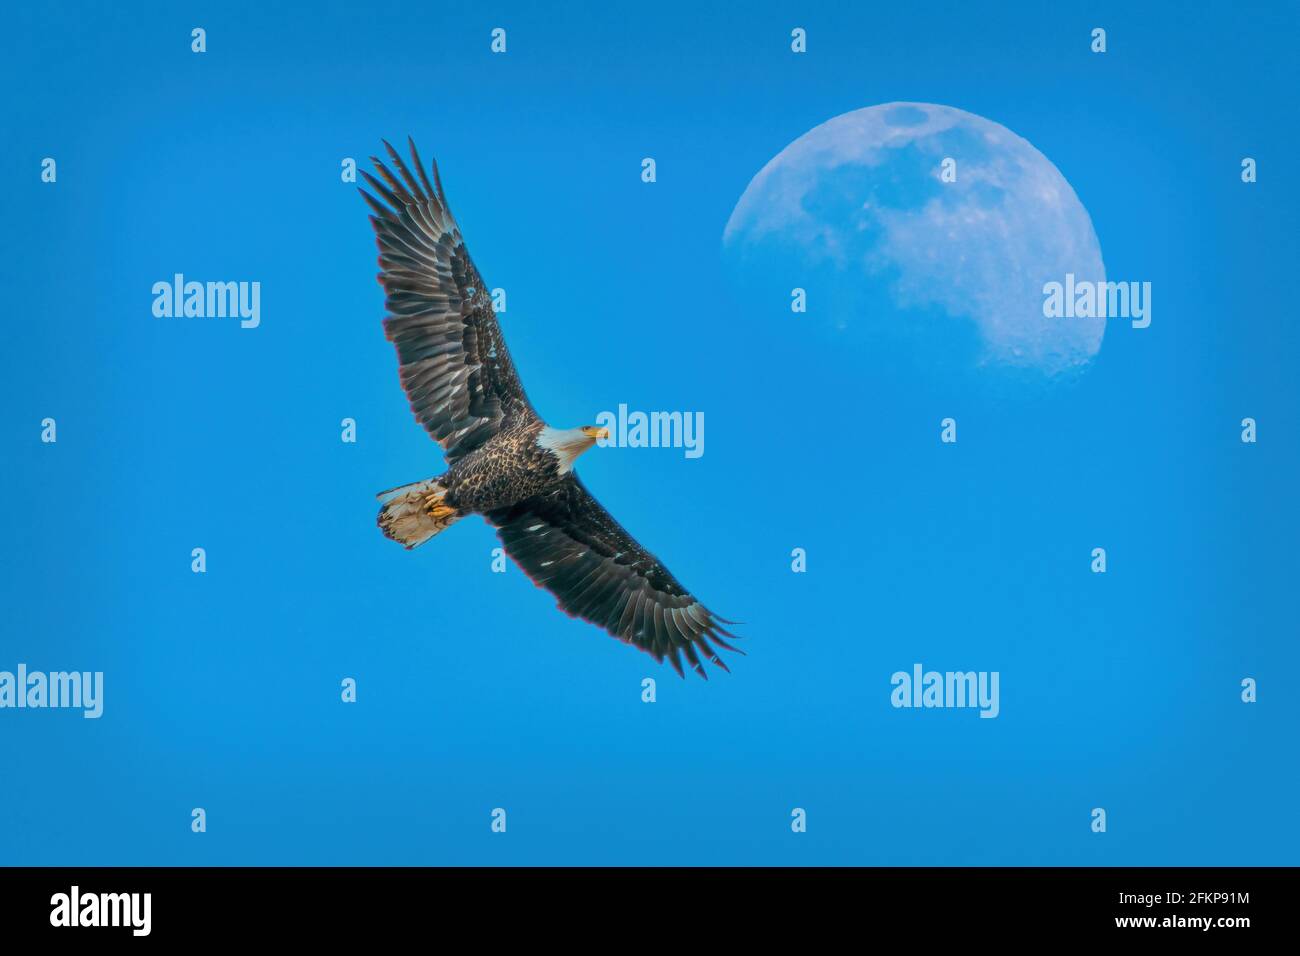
453	360
567	543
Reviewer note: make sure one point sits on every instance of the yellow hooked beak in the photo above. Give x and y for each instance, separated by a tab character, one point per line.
594	433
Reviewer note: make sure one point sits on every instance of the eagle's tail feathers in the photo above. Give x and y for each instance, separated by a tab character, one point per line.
414	513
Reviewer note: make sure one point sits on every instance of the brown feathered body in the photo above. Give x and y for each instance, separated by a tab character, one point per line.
510	467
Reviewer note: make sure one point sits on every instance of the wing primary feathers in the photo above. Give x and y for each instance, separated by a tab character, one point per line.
714	619
389	196
380	212
721	643
675	661
714	657
412	187
419	166
688	648
442	196
399	191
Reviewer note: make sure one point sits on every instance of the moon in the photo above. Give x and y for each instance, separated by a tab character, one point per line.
921	230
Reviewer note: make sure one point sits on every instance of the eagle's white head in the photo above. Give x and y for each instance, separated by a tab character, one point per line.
568	443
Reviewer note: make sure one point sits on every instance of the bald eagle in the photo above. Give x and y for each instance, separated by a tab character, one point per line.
504	462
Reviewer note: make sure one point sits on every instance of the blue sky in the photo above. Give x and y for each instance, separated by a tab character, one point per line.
1118	691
